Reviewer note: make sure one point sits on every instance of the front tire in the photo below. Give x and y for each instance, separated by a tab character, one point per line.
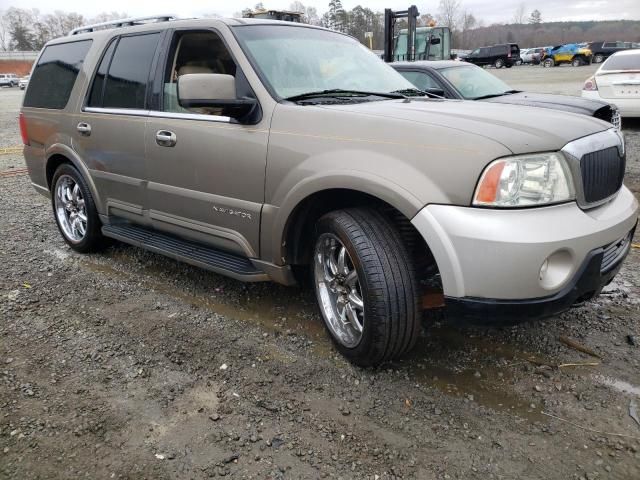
548	62
598	58
75	211
576	62
366	286
499	63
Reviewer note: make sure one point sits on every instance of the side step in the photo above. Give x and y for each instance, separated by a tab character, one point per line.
194	253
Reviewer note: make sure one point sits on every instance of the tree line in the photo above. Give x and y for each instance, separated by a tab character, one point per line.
23	29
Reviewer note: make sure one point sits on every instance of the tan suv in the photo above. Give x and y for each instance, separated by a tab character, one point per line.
256	148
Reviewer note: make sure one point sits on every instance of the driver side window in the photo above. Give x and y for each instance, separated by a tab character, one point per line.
194	52
421	80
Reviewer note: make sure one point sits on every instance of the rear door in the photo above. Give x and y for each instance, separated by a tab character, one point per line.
208	183
109	130
484	56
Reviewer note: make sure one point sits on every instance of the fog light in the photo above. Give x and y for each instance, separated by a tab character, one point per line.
556	269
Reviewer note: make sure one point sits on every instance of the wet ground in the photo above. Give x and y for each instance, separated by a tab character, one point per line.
128	365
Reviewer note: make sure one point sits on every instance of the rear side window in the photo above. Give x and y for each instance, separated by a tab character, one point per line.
126	81
97	89
55	74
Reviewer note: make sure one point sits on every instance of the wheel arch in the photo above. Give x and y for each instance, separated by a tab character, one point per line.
59	154
295	239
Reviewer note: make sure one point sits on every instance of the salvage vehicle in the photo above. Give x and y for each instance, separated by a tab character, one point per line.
603	50
260	149
8	80
450	79
24	81
572	53
505	55
617	81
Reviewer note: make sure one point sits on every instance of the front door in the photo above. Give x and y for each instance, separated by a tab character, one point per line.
206	172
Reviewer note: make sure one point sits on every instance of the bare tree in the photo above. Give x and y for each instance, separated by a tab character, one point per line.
520	15
4	31
448	13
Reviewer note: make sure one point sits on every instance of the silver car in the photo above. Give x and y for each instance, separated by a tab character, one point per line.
268	150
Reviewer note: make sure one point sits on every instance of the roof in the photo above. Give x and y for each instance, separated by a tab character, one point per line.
181	23
432	64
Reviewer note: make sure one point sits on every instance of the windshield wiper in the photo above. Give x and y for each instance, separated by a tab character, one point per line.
411	92
340	93
493	95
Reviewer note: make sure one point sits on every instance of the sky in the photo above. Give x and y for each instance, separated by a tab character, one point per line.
491	11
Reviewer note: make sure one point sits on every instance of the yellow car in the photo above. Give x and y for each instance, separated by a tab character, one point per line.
572	53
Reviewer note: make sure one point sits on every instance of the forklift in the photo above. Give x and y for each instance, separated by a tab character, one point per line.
283	15
414	43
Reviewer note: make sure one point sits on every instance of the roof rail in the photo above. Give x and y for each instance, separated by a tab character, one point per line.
122	22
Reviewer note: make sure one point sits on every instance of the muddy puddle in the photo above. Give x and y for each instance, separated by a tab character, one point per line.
475	368
436	362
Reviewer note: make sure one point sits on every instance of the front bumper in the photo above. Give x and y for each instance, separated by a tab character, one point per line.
586	284
493	256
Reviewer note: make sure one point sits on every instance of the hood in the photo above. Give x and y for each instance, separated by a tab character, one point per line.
565	103
521	129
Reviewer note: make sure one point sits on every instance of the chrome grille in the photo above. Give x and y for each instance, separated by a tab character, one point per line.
602	173
615	119
614	252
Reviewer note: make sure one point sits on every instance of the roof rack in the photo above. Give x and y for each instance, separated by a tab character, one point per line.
123	22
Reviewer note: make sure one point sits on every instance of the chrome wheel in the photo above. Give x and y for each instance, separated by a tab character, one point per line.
70	209
339	291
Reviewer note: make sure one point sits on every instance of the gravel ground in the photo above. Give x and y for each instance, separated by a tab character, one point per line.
126	364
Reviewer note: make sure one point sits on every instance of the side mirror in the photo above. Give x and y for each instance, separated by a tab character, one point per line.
434	91
213	90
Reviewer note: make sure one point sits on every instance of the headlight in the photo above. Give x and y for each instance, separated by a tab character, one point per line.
525	180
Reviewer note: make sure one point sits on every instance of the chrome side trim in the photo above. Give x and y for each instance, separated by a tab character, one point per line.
158	114
190	116
117	111
574	151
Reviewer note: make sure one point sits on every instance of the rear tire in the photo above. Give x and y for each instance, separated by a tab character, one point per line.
548	62
75	210
499	63
598	58
384	286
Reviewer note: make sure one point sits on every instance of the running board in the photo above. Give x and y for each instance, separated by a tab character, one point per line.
193	253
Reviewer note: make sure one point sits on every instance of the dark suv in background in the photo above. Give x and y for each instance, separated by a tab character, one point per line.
504	55
603	50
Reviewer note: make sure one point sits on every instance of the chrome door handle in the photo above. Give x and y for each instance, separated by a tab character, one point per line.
165	138
84	129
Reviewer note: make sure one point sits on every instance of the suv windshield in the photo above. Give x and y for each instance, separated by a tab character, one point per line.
296	60
474	82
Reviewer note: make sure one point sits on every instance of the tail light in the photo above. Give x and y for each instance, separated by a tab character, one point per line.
590	85
23	129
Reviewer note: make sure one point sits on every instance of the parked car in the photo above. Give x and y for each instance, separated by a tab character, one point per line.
571	53
603	50
617	81
24	81
462	81
531	55
8	80
258	150
505	55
